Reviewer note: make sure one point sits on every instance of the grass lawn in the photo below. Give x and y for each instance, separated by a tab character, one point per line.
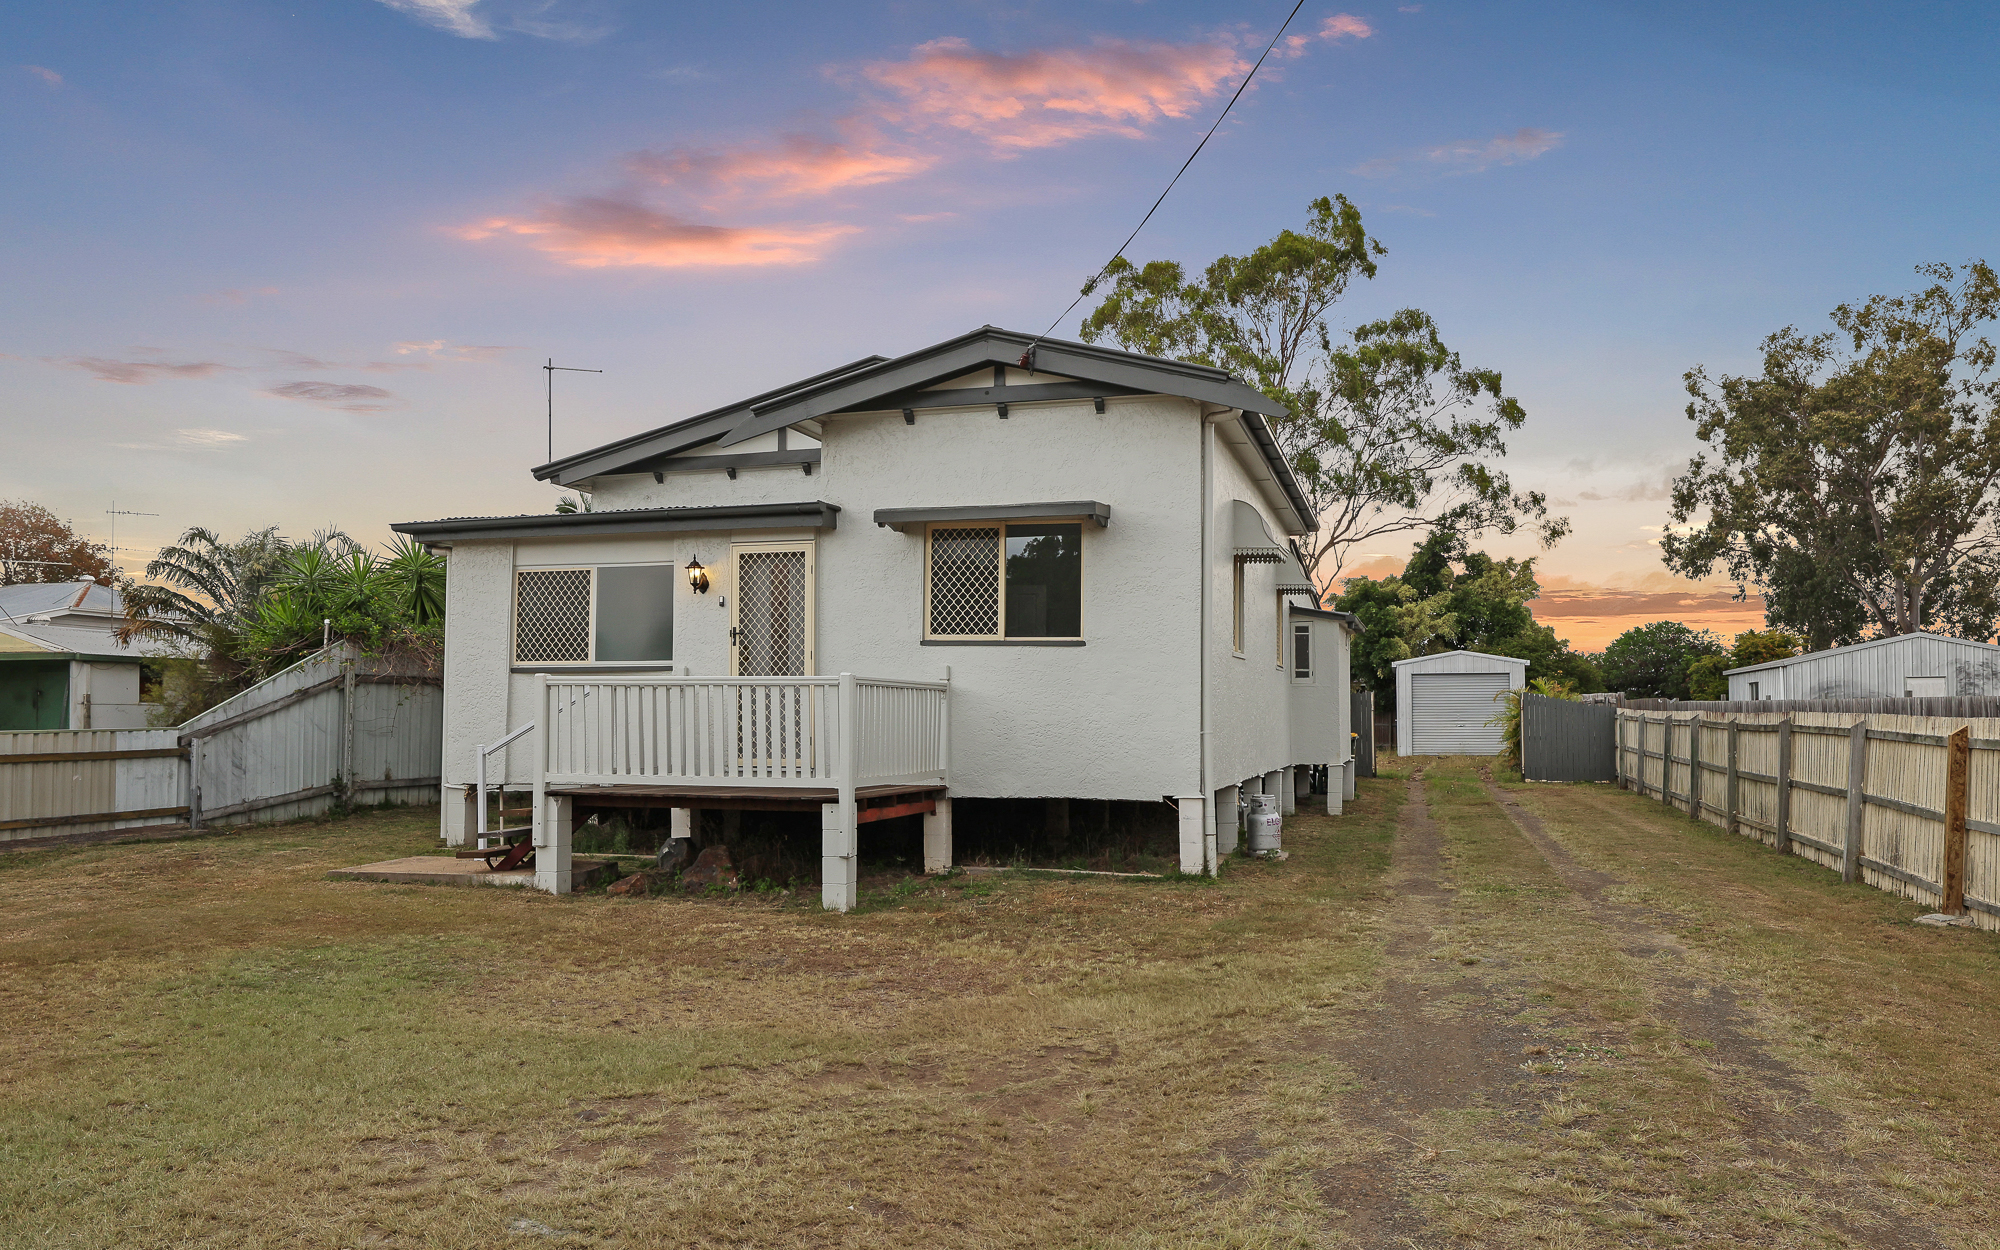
1459	1015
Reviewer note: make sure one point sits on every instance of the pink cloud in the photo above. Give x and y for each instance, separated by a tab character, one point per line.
1345	26
795	165
140	372
595	232
346	396
1042	98
1469	156
48	76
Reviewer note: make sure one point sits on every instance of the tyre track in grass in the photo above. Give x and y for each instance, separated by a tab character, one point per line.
1770	1102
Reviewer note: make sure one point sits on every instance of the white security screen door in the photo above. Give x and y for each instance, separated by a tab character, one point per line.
771	614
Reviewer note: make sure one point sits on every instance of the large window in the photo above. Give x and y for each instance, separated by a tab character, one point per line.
1005	580
620	613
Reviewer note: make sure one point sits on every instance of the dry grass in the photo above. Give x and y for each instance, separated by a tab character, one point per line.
210	1044
1637	1032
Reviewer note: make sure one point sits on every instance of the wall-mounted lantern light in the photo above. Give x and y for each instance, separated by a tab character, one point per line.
697	577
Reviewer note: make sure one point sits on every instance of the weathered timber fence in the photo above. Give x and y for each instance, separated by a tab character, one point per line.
338	726
1362	708
1906	804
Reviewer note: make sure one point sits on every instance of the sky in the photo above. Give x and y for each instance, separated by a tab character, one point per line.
301	264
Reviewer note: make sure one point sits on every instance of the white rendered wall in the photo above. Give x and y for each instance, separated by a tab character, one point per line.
1249	715
1118	717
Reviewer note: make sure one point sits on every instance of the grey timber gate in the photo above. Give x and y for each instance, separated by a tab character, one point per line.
1563	740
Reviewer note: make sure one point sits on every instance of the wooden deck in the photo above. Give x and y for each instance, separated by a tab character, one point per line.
874	802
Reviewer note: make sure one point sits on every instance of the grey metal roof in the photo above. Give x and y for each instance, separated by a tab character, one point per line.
56	640
28	598
852	387
816	514
1851	648
1348	619
1484	655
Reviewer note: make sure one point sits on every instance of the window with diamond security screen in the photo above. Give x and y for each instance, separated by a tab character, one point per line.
1006	581
552	616
965	582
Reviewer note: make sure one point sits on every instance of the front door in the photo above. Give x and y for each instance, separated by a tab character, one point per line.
771	613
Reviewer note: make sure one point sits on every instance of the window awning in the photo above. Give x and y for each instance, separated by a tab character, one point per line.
1090	509
1254	544
1292	578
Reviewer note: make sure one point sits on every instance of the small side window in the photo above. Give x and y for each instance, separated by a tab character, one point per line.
1302	652
1753	691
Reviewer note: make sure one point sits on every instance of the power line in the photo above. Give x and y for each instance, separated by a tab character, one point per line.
1091	285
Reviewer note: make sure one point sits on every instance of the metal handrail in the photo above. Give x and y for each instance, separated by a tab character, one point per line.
483	753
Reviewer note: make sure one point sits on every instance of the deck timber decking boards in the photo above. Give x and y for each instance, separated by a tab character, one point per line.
732	798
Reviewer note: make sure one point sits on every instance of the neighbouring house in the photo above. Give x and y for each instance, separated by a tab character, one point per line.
1920	666
995	568
61	665
1445	703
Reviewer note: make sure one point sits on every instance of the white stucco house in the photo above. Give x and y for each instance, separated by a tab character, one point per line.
994	568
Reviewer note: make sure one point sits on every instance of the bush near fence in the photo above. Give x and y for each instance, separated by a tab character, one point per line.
1907	804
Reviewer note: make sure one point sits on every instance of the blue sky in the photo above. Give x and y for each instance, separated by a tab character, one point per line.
300	264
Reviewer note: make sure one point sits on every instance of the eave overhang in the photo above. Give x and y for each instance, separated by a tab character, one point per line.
817	514
1089	509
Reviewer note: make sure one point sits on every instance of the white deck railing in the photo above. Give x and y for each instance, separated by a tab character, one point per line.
808	732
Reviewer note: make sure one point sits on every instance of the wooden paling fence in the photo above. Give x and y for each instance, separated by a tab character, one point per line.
1906	804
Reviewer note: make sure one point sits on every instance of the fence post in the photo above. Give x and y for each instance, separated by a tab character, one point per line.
1857	798
1957	787
347	777
1618	747
1785	785
1734	786
1694	767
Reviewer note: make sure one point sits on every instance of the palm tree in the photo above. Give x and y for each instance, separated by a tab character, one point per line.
211	588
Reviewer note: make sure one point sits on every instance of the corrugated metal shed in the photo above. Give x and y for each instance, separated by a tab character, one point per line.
1908	665
1512	674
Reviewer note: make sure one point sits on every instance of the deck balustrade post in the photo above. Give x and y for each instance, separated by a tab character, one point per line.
1857	799
840	829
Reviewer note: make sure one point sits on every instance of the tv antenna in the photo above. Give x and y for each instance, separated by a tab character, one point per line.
552	368
114	512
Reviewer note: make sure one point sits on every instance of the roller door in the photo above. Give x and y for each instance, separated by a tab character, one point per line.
1449	711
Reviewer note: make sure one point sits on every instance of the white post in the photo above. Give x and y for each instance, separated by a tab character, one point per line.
1347	775
1336	786
839	828
1274	785
1195	833
552	843
1228	821
681	822
457	809
937	837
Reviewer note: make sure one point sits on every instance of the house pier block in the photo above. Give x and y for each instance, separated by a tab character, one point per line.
839	861
682	825
553	825
1274	785
458	815
1336	786
1302	786
1195	832
1228	820
1347	775
937	836
1288	792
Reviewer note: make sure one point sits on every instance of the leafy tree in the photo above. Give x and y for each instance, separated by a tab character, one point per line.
1652	661
1856	479
1706	678
38	546
1447	599
1389	431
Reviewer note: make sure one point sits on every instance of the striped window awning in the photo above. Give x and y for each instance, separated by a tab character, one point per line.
1254	544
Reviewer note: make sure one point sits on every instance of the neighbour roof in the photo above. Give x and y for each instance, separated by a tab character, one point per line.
1861	646
27	598
54	642
873	382
1484	655
816	514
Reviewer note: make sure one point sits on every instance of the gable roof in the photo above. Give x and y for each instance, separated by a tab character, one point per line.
869	384
27	598
1852	647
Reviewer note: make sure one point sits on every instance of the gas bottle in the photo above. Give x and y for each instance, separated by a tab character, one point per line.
1266	826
